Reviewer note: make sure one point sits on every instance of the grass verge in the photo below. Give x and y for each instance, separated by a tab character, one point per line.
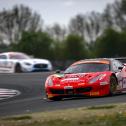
107	115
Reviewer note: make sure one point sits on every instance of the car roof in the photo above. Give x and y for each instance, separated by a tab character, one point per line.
7	53
121	59
96	60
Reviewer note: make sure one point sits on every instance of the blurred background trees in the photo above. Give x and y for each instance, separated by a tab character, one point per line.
74	47
86	35
17	20
37	44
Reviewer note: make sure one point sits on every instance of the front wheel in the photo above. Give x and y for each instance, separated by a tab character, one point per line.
113	85
18	68
56	98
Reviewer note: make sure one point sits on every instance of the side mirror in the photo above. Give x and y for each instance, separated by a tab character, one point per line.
58	71
120	68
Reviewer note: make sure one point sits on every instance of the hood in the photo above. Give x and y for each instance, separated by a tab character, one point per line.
35	61
71	79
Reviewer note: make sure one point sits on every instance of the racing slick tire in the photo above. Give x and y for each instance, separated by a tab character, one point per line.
56	98
18	68
113	85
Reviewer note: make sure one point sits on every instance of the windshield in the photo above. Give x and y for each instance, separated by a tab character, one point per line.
19	56
87	67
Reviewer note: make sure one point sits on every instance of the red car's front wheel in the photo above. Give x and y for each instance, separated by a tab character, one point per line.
113	85
55	98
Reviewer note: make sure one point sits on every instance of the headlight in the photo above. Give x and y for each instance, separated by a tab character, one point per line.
28	64
50	82
99	77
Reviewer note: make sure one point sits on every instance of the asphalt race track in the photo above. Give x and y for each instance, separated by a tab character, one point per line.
32	96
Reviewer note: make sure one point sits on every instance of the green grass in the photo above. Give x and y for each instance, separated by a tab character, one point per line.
106	115
102	107
18	118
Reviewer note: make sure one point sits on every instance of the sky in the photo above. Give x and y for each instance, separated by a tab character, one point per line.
58	11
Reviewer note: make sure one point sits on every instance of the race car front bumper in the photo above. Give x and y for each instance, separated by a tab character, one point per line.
88	90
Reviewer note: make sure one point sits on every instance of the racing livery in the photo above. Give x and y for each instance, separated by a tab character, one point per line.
11	62
90	77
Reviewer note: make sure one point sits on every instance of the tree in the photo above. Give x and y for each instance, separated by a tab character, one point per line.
107	45
20	18
87	26
56	31
108	16
58	52
121	45
74	47
114	15
93	26
77	25
38	44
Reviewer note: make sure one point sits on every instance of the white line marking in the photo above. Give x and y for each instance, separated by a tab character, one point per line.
8	93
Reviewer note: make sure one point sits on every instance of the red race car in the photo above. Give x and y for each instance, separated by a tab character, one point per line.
90	77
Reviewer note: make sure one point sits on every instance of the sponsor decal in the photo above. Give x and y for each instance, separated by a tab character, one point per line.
58	85
81	84
6	64
77	76
68	87
70	80
124	82
50	95
94	93
104	83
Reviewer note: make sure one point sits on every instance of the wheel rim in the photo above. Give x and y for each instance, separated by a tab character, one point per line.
113	85
18	69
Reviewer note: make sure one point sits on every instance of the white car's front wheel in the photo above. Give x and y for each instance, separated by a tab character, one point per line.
18	68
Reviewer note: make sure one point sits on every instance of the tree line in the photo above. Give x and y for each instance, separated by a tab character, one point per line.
86	36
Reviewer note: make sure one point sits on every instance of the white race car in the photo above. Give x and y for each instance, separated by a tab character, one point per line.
16	62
